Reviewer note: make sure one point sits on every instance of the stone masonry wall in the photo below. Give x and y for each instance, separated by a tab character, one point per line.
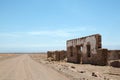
86	50
56	55
113	54
114	58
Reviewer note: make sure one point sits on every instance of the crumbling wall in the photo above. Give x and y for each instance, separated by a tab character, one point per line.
114	58
86	50
63	55
56	55
50	54
113	54
97	59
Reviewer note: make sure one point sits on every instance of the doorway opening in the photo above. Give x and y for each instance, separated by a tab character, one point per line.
88	50
79	53
71	51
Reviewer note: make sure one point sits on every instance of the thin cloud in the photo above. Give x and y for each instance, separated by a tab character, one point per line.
8	35
65	32
29	45
62	32
58	33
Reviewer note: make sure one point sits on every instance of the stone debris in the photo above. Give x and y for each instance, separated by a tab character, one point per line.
93	74
115	63
73	67
81	71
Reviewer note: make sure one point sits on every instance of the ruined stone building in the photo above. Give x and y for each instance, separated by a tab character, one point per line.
56	55
87	50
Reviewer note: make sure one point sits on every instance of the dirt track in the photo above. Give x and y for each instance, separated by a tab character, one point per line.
24	68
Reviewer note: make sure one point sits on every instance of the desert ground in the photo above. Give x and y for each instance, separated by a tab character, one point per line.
22	67
38	67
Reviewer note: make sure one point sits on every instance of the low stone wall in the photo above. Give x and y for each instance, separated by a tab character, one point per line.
56	55
114	58
50	54
113	55
63	55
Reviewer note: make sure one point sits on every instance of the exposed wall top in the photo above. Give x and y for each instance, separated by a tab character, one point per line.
93	40
85	37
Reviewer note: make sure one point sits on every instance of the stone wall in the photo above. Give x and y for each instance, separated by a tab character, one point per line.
114	58
56	55
96	59
86	50
50	54
63	55
113	54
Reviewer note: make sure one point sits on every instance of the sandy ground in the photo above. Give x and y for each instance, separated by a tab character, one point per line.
78	71
38	67
25	68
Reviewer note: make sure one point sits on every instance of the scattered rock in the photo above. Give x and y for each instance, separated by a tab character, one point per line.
73	67
59	68
81	71
115	64
105	78
93	74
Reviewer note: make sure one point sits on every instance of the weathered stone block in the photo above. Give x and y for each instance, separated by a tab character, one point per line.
115	64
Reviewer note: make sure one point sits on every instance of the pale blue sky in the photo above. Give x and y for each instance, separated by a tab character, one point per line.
41	25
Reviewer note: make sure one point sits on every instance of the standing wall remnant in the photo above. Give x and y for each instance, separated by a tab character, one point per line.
114	58
113	54
56	55
87	50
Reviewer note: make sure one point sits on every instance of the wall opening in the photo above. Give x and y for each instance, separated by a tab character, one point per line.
71	51
81	48
88	50
79	53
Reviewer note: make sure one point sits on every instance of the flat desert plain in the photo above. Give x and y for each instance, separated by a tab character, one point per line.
38	67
